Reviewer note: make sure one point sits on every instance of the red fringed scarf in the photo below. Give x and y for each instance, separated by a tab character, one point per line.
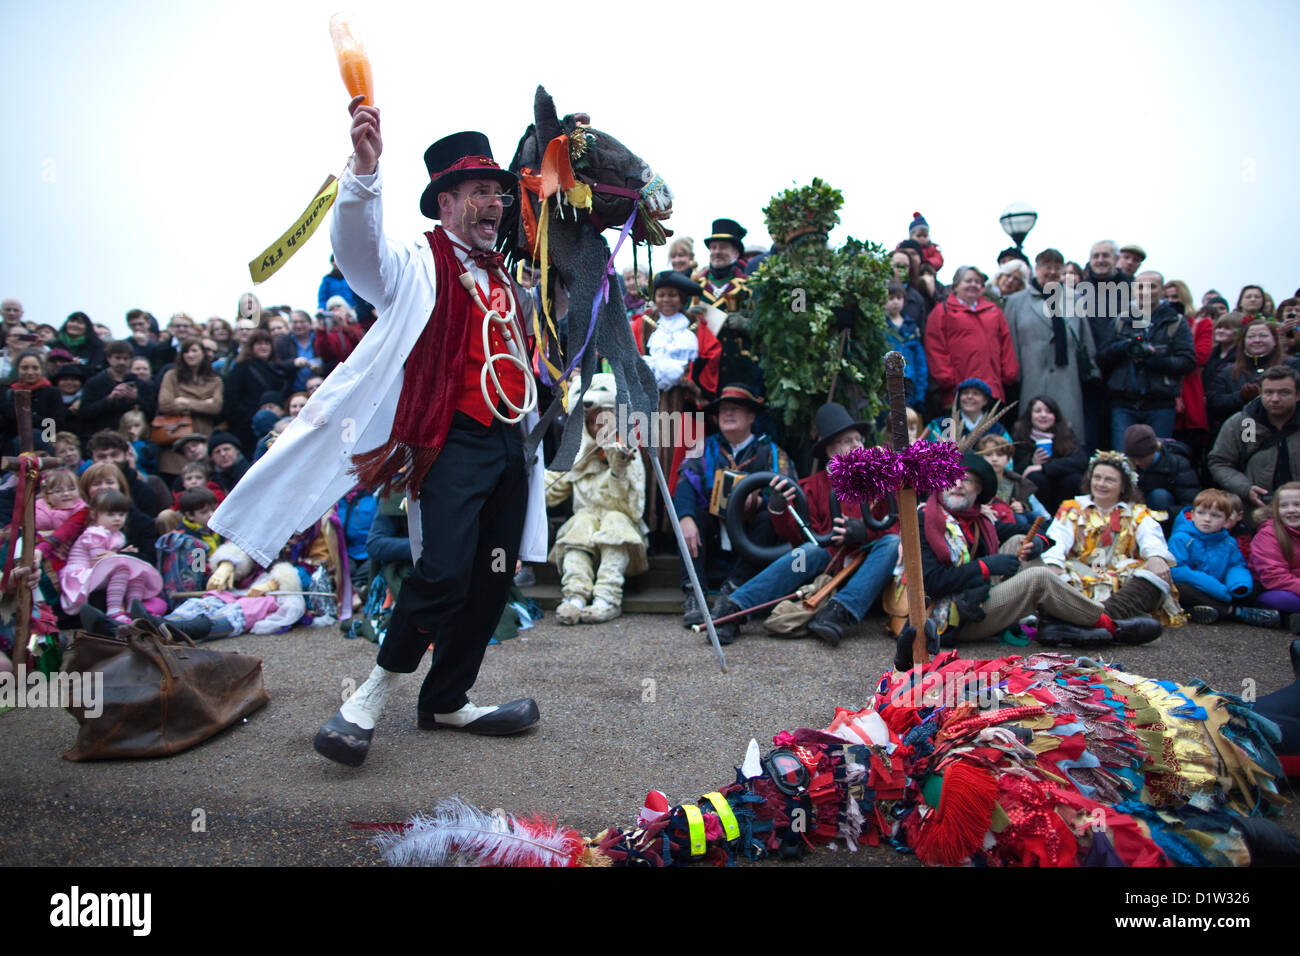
970	522
41	382
431	387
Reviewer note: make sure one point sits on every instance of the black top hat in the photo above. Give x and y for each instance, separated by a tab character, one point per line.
831	419
458	157
672	279
738	393
730	230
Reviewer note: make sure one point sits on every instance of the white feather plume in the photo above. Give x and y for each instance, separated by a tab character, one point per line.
457	834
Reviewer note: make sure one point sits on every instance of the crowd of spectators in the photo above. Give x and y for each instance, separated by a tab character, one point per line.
1159	437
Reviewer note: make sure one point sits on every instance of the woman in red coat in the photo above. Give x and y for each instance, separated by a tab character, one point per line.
966	336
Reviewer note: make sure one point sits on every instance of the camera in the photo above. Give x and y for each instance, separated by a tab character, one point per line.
1137	347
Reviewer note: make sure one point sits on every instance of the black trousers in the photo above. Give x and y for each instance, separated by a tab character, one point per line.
472	506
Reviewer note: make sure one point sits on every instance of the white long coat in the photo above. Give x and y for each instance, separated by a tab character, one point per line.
306	470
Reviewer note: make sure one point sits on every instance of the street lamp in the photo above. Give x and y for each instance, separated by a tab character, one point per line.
1017	220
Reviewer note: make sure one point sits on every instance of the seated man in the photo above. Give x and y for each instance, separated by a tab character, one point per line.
1258	449
961	561
840	433
704	483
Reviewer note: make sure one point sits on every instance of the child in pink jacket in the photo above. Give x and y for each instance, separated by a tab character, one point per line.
1275	553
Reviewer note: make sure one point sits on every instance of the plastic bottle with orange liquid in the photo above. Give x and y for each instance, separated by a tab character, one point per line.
354	65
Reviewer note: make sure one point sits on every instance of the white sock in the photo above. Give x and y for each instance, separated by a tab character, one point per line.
576	600
467	714
364	706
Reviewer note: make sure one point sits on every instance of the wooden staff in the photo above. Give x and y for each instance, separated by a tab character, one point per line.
908	527
1028	541
834	584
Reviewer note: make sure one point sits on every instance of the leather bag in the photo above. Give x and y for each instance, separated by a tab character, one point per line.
159	696
168	428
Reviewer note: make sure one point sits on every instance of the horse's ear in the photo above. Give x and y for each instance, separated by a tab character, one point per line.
548	122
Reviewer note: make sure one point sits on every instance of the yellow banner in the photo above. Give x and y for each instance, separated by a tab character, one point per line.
280	251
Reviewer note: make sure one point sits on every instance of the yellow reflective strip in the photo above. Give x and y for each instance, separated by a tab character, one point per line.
695	824
729	825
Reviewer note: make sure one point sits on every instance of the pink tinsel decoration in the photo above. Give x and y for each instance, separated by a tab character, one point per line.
870	474
930	466
865	474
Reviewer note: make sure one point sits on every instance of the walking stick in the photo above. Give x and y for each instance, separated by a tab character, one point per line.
745	612
909	529
839	355
686	559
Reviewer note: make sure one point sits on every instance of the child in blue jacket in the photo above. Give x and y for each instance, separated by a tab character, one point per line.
1211	574
904	337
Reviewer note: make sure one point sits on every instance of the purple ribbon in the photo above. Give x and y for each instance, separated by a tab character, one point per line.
602	295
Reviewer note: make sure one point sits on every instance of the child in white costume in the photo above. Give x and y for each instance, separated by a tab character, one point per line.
605	538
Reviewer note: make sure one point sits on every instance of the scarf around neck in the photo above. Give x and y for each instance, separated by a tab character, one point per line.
972	522
41	382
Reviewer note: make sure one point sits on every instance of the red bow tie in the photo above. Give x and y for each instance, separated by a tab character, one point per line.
487	261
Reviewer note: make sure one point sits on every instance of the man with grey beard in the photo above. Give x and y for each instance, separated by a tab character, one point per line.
977	587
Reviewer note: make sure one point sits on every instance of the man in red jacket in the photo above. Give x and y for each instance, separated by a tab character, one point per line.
966	336
840	433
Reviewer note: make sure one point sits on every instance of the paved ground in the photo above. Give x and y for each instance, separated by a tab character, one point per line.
627	706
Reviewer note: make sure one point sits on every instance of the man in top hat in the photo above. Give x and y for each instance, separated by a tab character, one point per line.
839	434
724	288
703	490
407	410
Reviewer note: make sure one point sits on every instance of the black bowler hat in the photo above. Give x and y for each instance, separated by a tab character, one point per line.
832	419
71	370
671	279
730	231
458	157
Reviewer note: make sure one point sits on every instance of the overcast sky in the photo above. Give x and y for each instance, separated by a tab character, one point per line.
155	148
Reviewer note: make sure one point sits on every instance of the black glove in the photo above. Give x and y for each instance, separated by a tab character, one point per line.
855	532
1001	565
903	648
846	316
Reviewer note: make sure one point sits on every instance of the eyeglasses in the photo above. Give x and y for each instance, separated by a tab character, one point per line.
486	197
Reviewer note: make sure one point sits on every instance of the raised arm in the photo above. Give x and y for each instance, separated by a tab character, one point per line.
370	263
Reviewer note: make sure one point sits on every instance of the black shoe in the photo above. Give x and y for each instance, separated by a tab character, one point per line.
691	613
1257	616
903	659
1295	653
1054	633
511	718
727	631
97	622
1204	614
195	629
830	623
342	741
728	587
1137	630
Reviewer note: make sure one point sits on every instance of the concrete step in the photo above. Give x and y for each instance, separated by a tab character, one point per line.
649	601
